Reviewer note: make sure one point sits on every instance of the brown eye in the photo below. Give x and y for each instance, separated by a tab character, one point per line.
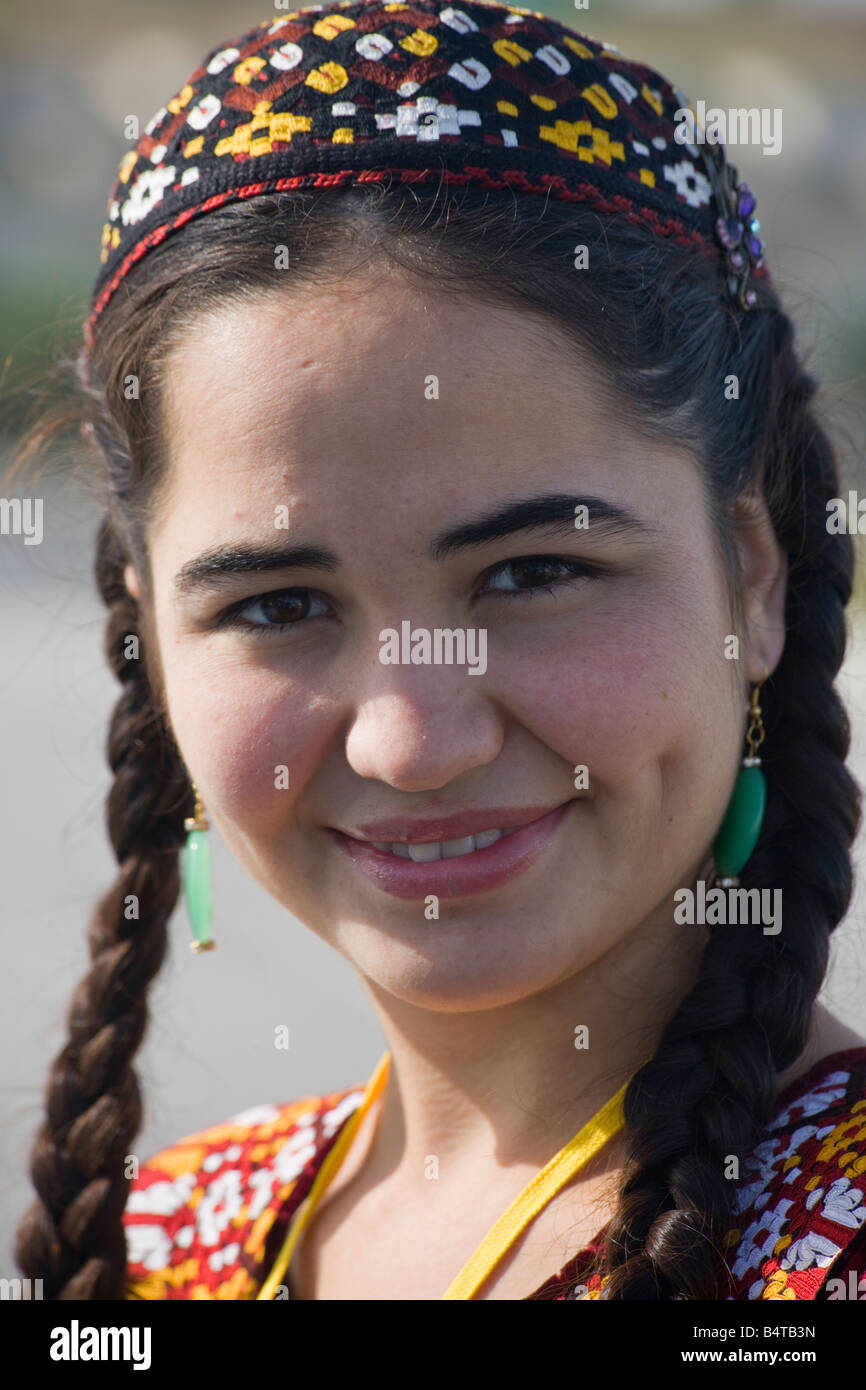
273	612
284	607
547	572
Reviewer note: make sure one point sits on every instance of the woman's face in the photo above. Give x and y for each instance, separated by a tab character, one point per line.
370	423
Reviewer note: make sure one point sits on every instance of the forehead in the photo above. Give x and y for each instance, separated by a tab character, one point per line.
379	391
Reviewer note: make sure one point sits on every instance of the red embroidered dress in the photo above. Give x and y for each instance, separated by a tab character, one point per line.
206	1217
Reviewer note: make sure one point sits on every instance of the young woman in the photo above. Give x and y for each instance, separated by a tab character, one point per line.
465	499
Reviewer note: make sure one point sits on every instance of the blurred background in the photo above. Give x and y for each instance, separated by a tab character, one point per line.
69	75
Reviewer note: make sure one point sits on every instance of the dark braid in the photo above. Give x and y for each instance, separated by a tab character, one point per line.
712	1081
653	317
72	1238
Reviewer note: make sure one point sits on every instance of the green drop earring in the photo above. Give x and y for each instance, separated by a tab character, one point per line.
196	877
744	817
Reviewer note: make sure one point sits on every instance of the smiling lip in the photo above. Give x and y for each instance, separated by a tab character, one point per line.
464	875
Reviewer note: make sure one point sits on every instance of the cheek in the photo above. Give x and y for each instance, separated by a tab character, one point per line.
631	684
245	735
645	700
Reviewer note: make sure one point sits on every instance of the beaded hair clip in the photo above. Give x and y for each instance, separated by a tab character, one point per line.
736	226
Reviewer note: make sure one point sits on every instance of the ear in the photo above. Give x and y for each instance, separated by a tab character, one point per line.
130	579
764	585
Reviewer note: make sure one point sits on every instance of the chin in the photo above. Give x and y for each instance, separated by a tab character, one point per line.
457	973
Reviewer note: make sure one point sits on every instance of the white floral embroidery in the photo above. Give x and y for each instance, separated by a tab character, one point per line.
295	1153
843	1204
286	57
332	1119
222	59
747	1195
554	58
459	20
162	1198
840	1202
626	91
797	1138
227	1256
763	1163
777	1220
148	1245
831	1089
147	192
749	1252
222	1201
261	1183
765	1152
155	120
809	1250
256	1115
426	119
204	111
471	73
373	47
690	183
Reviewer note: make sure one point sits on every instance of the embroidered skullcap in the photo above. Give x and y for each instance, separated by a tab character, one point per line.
474	93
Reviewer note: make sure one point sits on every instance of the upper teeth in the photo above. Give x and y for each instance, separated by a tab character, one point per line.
443	849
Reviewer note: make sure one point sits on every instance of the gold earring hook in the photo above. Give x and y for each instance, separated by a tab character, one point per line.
198	820
755	733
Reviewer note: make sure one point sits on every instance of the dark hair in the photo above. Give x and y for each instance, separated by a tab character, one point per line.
655	318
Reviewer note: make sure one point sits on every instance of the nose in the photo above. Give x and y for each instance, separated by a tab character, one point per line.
422	727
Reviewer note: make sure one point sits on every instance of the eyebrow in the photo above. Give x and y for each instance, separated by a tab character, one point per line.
216	569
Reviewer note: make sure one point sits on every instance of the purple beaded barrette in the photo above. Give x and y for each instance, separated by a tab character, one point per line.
736	227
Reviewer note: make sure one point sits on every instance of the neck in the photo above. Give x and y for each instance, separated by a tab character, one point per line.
507	1085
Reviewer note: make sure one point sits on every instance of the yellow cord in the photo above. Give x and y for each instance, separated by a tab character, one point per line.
552	1177
326	1173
